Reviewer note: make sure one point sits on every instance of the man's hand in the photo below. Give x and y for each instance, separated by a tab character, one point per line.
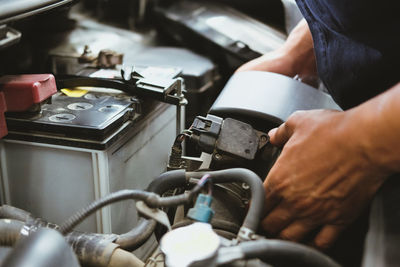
323	178
295	57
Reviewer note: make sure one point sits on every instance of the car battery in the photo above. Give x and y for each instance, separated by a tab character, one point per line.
78	149
146	51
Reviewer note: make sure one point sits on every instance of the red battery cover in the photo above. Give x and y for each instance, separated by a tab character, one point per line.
23	91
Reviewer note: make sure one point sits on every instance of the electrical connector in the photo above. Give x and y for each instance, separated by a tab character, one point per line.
202	211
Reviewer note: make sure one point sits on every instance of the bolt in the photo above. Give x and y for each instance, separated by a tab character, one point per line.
217	156
264	138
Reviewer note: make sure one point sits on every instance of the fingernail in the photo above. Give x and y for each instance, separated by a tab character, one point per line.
272	132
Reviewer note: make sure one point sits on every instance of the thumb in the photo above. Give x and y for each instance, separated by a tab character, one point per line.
279	136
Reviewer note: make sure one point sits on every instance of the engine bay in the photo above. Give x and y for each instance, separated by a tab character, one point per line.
105	102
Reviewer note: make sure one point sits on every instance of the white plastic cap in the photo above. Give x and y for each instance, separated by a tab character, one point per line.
193	243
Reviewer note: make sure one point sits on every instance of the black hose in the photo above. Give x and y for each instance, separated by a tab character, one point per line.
168	180
10	212
77	218
216	224
284	253
245	176
150	198
137	236
142	232
9	231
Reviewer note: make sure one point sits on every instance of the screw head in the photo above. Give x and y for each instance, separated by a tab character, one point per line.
245	186
217	156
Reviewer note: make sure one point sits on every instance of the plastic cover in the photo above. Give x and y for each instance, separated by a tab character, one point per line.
11	10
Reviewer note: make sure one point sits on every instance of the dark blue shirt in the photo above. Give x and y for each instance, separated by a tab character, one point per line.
357	46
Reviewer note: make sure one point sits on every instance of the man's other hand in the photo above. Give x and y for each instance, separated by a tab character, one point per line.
322	180
295	57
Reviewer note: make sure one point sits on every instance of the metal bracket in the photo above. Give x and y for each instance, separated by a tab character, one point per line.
8	36
156	214
246	234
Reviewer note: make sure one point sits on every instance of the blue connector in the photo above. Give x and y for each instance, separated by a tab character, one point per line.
202	211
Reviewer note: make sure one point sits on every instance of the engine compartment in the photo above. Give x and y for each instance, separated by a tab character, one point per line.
148	109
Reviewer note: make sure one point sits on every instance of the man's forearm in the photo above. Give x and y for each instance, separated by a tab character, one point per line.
294	57
299	47
378	123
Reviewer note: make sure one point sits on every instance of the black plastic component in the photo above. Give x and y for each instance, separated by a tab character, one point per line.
45	248
268	11
227	35
237	139
12	10
227	137
265	99
8	36
206	132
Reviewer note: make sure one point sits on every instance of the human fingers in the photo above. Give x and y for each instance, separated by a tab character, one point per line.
271	202
297	230
279	136
327	236
276	220
271	62
272	198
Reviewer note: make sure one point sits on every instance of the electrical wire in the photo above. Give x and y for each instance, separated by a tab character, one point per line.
151	199
206	179
253	216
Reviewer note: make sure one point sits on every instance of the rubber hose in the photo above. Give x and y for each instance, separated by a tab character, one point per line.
216	224
142	232
77	218
284	253
137	236
9	231
168	180
10	212
245	176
